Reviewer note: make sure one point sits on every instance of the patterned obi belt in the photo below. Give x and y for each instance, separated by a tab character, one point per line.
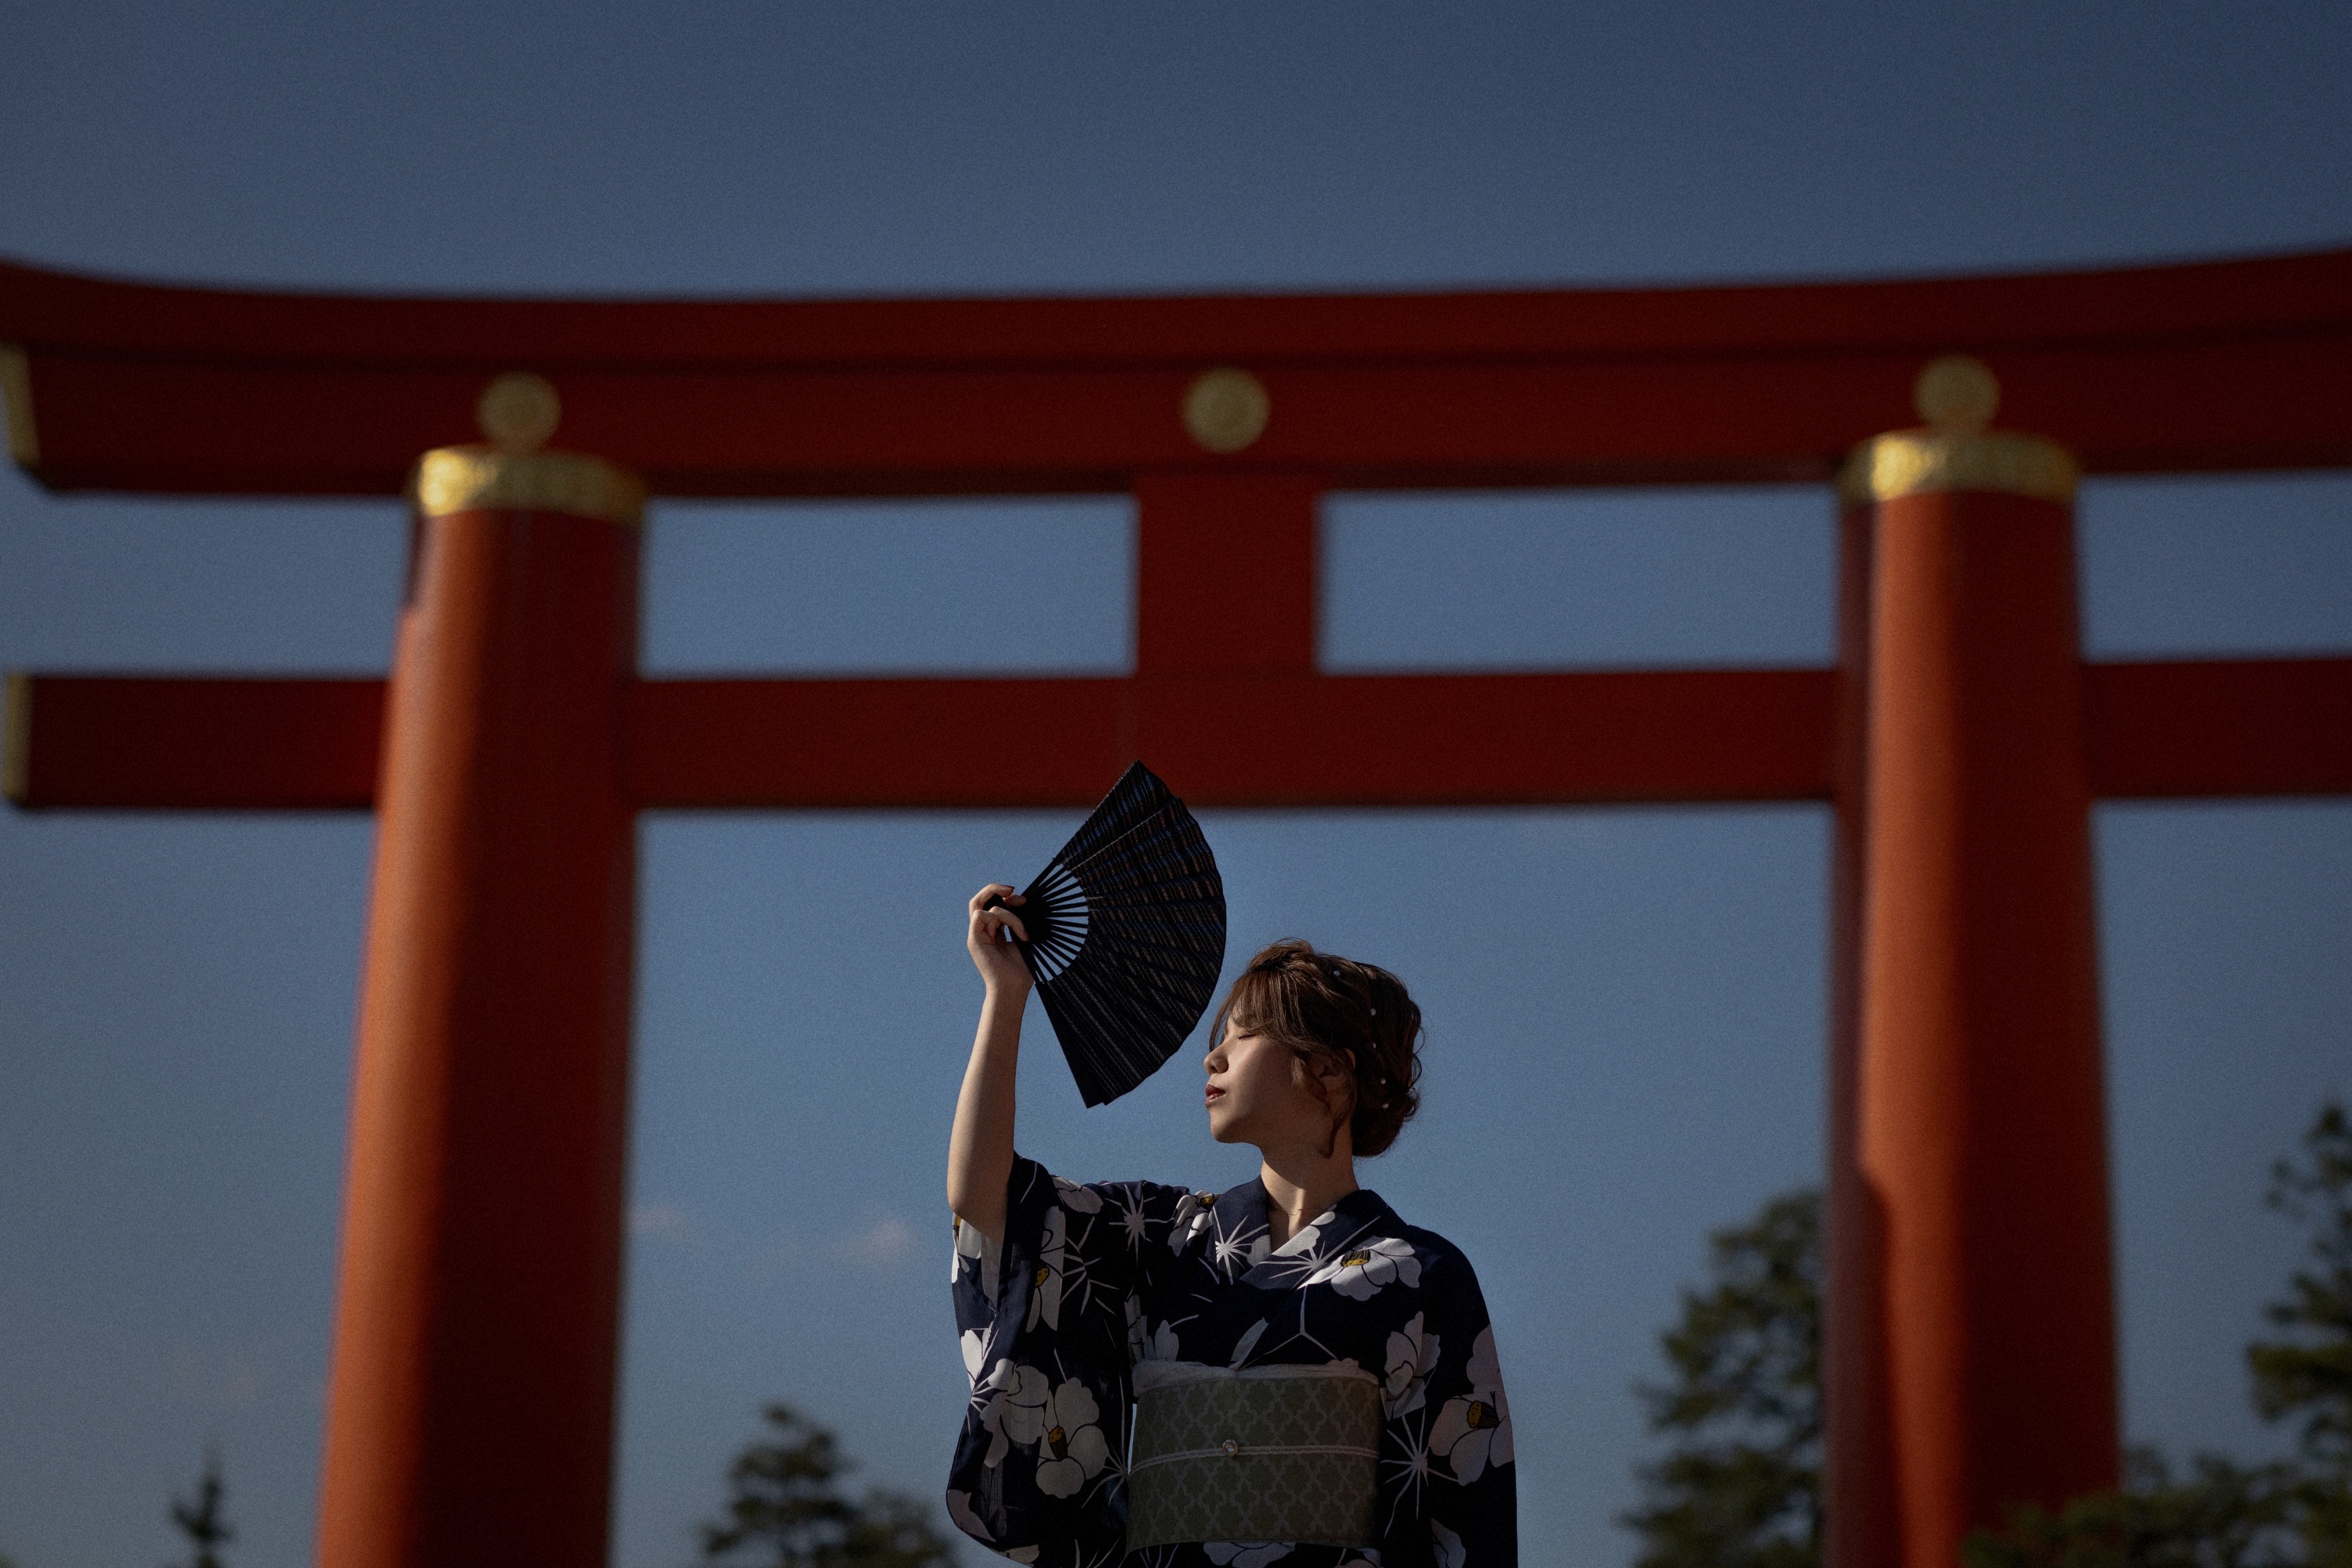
1266	1452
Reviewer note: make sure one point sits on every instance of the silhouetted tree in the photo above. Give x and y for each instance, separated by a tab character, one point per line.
2219	1515
204	1521
2308	1377
784	1510
1740	1485
2296	1514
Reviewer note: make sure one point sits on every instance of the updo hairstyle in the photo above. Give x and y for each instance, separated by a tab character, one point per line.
1333	1012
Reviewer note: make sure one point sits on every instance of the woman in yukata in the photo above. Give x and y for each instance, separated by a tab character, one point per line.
1285	1373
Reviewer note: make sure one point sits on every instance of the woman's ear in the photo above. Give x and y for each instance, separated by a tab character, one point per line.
1337	1081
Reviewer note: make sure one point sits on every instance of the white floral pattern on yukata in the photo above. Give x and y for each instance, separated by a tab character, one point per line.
1092	1280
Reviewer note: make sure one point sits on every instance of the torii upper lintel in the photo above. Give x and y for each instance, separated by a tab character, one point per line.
2213	366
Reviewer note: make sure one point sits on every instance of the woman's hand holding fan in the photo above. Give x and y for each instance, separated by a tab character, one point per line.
994	930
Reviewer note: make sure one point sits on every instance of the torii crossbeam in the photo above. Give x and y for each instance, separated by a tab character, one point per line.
1959	736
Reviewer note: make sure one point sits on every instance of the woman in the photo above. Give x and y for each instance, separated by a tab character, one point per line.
1311	1382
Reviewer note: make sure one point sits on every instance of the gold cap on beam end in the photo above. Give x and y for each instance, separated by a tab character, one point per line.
16	739
1956	394
17	406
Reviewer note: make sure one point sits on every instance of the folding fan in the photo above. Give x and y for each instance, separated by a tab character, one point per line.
1127	933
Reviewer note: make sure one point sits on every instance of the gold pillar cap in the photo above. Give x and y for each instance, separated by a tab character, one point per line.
1957	396
519	411
1933	462
484	478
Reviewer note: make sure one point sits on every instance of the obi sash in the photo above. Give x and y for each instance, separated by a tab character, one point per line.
1263	1453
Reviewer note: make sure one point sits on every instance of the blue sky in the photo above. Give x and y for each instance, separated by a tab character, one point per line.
1625	1005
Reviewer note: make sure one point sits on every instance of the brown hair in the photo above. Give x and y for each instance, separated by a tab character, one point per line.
1332	1010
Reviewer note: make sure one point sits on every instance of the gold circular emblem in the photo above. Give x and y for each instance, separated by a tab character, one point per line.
1226	409
519	411
1956	392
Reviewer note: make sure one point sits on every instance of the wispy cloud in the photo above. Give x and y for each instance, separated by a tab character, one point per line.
214	1381
887	1241
659	1219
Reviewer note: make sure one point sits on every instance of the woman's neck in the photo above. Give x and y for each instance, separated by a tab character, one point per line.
1300	1184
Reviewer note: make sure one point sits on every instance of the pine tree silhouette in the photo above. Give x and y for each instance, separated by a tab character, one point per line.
1741	1486
785	1510
204	1521
2290	1513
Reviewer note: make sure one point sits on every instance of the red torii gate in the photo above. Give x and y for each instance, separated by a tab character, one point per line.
1961	738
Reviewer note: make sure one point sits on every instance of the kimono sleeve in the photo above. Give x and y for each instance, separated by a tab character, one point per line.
1471	1498
1047	1316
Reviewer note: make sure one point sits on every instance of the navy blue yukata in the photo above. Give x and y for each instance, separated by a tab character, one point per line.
1090	1280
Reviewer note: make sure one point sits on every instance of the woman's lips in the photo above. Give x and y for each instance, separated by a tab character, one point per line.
1215	1094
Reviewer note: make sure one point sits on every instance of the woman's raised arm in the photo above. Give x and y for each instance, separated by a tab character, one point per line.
979	1149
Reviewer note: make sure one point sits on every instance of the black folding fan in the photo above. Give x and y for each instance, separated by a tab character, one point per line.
1127	933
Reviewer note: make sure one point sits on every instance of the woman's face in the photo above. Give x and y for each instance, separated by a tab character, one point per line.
1255	1097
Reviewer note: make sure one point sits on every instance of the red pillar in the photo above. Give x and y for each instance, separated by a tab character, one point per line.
1972	1351
470	1413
